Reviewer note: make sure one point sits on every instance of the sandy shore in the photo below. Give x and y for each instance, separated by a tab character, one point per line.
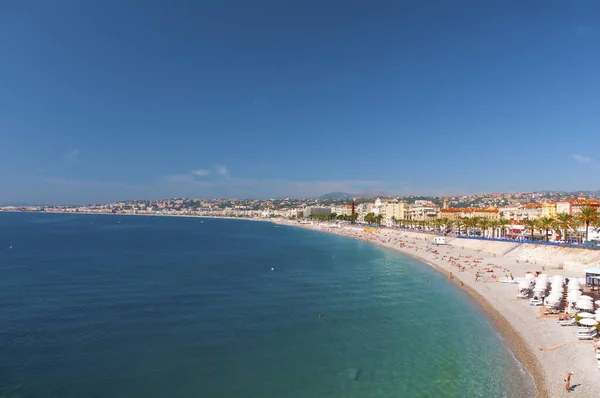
519	324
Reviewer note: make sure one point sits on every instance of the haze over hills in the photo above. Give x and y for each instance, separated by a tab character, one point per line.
346	195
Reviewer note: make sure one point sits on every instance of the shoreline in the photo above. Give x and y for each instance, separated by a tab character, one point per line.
515	321
516	328
510	336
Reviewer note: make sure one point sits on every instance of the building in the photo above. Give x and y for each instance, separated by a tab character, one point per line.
312	210
453	213
345	210
446	203
529	211
423	210
573	206
394	210
549	209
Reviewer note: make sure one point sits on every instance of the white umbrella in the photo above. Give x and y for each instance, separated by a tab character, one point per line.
524	285
587	298
586	315
588	322
597	302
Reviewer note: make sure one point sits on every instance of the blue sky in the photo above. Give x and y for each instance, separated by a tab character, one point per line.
111	100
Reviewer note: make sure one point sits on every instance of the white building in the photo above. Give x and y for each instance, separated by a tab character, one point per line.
423	210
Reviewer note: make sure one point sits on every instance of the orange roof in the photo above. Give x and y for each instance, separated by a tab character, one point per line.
533	205
468	210
580	202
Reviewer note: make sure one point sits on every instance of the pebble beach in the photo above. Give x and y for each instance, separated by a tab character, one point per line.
547	350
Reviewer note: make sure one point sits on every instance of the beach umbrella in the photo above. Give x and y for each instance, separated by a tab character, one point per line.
524	285
597	302
588	322
587	298
586	315
583	306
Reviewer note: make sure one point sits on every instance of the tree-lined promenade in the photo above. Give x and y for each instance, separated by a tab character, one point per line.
564	225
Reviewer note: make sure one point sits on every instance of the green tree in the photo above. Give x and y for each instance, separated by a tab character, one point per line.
494	225
378	219
545	224
530	225
502	224
484	226
459	224
588	215
471	223
443	222
370	217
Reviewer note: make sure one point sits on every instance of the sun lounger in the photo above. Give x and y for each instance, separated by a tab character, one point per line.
567	322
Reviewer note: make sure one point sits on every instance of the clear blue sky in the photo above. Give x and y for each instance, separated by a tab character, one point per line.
109	100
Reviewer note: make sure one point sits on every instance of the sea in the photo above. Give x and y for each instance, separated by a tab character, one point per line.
141	306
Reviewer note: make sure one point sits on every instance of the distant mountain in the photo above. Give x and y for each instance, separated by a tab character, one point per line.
587	193
336	196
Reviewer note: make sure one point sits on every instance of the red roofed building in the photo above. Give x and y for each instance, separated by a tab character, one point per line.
453	213
573	206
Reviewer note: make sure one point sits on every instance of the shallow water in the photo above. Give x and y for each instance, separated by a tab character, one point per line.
122	306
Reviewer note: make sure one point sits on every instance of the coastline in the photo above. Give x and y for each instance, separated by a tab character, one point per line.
517	323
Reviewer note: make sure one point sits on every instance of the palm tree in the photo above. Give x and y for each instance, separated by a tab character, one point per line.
502	224
369	218
494	225
459	224
471	224
449	226
588	215
545	224
483	225
377	219
530	225
564	221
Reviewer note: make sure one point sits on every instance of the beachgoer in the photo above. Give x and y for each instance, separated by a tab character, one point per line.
596	344
320	315
568	381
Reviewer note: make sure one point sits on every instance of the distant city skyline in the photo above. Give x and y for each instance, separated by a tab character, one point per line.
113	101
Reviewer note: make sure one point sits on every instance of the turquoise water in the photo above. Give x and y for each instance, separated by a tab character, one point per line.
123	306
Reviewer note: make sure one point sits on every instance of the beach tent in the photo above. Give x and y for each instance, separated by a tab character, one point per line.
592	276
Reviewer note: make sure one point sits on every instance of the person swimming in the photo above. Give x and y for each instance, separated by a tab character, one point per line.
321	315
